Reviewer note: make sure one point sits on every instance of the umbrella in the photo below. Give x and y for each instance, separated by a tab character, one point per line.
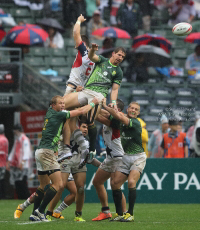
26	34
144	39
2	33
112	32
193	38
154	56
51	22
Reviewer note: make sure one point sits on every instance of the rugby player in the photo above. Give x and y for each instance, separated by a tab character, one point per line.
133	161
114	150
46	162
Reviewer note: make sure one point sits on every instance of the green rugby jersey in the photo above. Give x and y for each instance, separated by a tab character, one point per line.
103	76
131	137
53	124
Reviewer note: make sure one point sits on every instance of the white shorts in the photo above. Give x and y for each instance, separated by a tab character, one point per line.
86	96
71	165
46	160
132	162
110	164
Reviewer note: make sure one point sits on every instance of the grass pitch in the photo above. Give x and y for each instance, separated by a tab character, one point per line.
147	217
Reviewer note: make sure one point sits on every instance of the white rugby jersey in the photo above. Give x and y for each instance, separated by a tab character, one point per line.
112	139
81	68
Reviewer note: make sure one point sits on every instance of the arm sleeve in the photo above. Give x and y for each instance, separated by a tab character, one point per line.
162	144
101	59
82	49
134	123
118	78
64	114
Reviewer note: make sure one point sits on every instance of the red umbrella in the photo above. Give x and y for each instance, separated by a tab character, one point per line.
193	38
112	32
2	33
144	39
26	34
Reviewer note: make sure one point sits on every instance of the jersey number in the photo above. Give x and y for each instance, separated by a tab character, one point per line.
88	70
45	123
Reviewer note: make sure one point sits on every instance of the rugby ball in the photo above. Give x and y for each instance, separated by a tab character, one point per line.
182	29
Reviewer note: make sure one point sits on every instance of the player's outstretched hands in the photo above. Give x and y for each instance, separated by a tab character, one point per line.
79	88
94	46
95	101
81	18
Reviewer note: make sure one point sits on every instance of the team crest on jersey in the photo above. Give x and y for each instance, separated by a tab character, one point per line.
113	73
105	73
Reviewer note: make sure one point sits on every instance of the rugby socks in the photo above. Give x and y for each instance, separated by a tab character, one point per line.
78	214
27	202
80	140
49	213
50	193
61	207
131	198
117	197
92	133
39	194
105	209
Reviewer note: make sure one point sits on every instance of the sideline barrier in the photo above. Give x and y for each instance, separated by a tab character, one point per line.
163	181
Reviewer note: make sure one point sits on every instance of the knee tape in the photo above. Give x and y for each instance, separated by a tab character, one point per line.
81	190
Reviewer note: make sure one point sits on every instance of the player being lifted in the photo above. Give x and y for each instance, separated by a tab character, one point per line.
133	161
106	74
80	72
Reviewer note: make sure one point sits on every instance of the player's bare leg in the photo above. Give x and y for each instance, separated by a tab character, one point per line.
71	100
79	179
98	182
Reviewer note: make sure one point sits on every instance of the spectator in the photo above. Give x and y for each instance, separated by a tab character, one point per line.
190	131
55	39
137	69
91	6
174	144
146	7
193	60
107	48
145	138
115	4
128	17
156	138
95	23
18	162
182	11
3	159
195	143
100	5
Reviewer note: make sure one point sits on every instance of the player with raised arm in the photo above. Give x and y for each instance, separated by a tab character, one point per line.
133	161
114	150
106	74
46	162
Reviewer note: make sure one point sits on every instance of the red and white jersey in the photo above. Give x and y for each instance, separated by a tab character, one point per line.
3	150
81	68
112	140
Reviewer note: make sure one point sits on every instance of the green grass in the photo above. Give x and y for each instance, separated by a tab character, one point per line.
147	216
